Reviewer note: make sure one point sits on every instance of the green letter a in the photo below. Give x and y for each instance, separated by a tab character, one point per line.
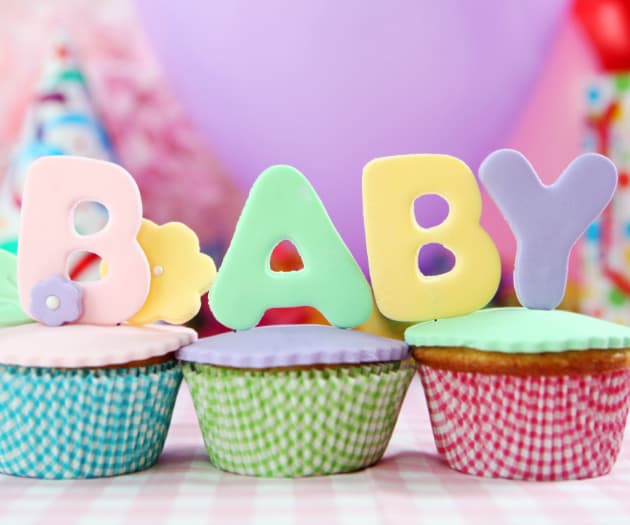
282	205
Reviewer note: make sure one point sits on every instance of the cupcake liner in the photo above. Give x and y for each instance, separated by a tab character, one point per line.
527	427
84	423
301	422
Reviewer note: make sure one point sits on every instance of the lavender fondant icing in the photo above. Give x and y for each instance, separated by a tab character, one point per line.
546	220
293	345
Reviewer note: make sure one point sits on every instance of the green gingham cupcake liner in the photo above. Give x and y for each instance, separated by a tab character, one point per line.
297	422
84	423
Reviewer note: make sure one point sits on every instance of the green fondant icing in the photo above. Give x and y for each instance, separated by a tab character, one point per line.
282	205
11	313
520	330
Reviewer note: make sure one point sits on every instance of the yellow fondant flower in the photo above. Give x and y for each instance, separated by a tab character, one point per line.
180	273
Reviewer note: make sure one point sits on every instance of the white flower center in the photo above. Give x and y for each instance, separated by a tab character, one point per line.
158	270
52	302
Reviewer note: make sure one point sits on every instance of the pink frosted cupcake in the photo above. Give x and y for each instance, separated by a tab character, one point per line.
88	376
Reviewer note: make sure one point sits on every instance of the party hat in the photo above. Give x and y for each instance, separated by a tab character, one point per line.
61	120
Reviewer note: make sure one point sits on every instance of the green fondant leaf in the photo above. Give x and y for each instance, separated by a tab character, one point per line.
11	312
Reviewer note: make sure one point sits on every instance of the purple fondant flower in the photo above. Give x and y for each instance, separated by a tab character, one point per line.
56	300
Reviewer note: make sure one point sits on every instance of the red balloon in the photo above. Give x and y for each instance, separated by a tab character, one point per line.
607	23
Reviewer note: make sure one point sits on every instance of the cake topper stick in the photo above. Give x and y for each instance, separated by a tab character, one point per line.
546	220
282	205
394	238
54	187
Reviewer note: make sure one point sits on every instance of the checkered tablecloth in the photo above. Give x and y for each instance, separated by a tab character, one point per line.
410	485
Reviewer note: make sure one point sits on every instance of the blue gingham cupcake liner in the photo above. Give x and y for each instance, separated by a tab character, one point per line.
84	423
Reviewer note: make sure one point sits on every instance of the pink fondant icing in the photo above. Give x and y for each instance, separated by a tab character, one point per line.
81	346
54	186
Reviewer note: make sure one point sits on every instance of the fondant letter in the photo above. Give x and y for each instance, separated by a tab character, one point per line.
546	220
394	238
282	205
54	186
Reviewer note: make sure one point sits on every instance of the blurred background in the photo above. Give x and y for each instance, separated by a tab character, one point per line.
196	98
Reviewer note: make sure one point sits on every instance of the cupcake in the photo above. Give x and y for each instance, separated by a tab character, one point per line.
525	394
300	400
531	393
81	401
88	380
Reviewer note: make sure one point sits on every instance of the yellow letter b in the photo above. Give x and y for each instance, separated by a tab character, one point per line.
394	238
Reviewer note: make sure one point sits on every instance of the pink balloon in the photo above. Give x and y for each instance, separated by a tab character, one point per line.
327	85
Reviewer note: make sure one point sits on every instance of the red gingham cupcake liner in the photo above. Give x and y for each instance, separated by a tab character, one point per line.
527	427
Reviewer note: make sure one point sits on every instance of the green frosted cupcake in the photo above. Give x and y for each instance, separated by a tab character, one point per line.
291	401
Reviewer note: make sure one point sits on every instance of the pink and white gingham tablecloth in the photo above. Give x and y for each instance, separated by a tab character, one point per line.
410	485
